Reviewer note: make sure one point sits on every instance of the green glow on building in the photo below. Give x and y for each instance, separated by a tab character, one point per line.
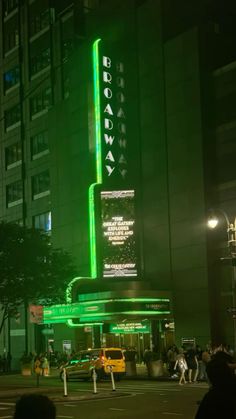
71	324
89	317
70	287
92	233
97	110
132	300
98	156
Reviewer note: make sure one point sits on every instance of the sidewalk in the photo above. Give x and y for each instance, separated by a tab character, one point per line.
15	385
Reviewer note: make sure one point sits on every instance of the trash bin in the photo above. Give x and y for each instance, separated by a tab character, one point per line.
130	362
130	368
156	368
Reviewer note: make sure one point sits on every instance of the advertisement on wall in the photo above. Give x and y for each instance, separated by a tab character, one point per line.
118	244
112	198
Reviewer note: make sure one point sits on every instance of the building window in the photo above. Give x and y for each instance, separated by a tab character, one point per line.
41	185
11	78
40	61
41	102
39	145
67	36
66	82
9	6
11	34
43	221
39	21
12	117
14	194
13	155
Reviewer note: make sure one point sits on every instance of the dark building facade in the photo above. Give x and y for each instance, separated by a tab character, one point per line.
172	88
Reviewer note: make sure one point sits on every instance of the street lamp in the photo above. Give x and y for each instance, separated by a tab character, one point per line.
231	241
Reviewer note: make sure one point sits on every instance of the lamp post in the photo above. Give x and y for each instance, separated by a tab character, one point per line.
231	240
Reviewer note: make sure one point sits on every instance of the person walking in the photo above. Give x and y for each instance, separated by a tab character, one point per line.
192	364
147	357
172	356
181	365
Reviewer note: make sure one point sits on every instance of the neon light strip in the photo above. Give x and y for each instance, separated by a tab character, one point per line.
131	313
71	324
98	154
133	300
96	82
92	233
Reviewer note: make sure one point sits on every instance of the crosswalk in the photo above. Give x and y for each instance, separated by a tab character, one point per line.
6	407
145	387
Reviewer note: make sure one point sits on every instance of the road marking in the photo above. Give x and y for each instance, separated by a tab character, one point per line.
114	408
4	408
61	416
109	390
5	417
70	405
172	413
7	404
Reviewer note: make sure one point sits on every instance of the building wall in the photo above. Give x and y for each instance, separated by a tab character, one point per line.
154	169
186	187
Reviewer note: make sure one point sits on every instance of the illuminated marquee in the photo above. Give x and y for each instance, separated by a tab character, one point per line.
111	213
118	246
114	127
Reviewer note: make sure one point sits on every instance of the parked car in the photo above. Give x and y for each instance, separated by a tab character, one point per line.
102	360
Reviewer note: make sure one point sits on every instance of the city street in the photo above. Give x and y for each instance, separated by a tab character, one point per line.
132	399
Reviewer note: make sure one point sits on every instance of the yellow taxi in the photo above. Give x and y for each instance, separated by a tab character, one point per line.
103	360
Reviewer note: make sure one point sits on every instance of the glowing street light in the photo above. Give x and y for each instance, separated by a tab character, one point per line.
231	241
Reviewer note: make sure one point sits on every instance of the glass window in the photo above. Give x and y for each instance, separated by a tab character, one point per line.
114	354
9	6
67	36
66	82
43	221
14	193
12	116
39	61
41	101
39	21
11	78
39	144
11	34
13	155
41	184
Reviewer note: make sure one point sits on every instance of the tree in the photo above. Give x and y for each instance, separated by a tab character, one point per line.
31	270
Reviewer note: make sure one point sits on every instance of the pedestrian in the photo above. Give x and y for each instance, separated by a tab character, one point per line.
35	406
9	358
171	356
192	364
147	357
4	363
44	365
219	401
206	357
181	364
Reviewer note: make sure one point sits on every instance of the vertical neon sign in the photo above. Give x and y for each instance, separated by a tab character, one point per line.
97	116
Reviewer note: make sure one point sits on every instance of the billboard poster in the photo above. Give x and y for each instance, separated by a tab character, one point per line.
118	237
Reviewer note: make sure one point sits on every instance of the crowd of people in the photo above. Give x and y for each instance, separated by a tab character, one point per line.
190	363
215	364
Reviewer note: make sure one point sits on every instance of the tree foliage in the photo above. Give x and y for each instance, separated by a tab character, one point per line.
31	270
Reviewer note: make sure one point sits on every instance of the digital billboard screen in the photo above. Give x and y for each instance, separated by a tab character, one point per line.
118	242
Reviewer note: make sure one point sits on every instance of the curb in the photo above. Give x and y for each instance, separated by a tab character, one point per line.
55	396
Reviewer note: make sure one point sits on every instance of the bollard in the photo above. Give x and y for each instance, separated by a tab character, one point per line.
94	381
112	379
65	382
